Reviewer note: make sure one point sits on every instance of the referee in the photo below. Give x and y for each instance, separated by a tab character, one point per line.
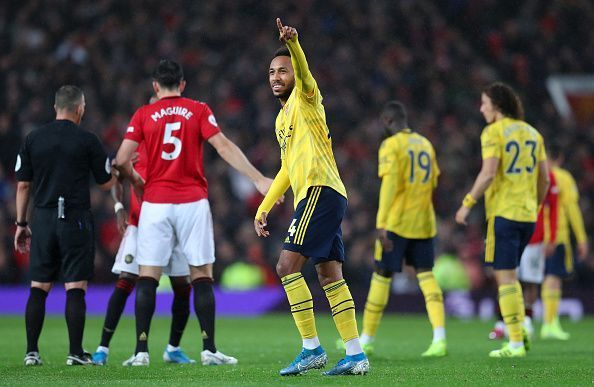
55	163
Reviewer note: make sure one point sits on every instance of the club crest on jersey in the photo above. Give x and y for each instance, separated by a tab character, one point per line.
283	137
129	258
212	120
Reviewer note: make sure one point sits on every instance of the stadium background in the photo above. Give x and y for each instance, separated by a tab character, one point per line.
435	56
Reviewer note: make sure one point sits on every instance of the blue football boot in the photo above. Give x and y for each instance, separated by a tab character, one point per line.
306	360
350	365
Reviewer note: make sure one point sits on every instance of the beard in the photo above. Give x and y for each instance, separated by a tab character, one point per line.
285	94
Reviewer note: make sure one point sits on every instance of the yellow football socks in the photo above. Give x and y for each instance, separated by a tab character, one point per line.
550	304
521	301
377	299
301	304
433	298
343	309
512	310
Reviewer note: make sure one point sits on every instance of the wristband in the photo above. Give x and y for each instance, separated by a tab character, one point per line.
468	201
21	224
118	206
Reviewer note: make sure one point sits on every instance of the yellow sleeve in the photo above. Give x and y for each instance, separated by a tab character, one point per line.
279	186
436	168
304	81
386	159
490	143
574	214
386	198
542	154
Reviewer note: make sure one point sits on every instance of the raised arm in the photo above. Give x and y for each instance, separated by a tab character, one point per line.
304	80
236	158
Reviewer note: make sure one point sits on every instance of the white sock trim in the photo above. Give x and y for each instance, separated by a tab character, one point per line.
312	343
171	348
366	339
103	349
516	344
353	347
439	333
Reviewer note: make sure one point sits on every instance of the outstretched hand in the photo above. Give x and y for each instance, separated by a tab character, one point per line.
286	33
260	225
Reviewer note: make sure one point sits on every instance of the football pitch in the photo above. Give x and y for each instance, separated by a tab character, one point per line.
263	345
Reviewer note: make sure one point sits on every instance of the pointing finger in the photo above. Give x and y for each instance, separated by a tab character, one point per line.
279	24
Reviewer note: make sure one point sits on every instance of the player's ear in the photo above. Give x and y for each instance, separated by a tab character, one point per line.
182	85
156	87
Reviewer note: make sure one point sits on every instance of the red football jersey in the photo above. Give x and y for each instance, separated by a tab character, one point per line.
140	167
552	203
173	130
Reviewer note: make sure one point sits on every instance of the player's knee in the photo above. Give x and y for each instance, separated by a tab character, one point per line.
326	278
283	269
76	285
45	286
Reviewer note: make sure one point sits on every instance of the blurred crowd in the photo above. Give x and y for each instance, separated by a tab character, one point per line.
434	56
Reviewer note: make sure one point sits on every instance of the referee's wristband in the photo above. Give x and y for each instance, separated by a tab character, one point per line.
118	206
468	201
21	224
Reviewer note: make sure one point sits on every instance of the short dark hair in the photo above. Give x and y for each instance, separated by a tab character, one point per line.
168	73
505	99
282	51
68	97
396	111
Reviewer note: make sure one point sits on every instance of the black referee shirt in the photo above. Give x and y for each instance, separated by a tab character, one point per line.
58	158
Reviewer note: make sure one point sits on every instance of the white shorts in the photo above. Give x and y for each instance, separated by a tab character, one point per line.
186	226
532	264
126	261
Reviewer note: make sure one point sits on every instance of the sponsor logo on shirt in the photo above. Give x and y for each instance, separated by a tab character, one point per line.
130	129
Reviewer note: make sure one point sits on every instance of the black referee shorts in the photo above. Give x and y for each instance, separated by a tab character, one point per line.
62	249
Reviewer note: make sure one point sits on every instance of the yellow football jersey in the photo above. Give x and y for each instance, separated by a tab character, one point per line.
519	148
409	172
305	140
569	213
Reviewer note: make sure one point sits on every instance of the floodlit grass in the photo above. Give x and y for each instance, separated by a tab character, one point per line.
264	345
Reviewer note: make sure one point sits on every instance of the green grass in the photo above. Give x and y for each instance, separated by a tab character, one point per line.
264	345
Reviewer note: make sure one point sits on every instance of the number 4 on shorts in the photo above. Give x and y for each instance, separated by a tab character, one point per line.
292	228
